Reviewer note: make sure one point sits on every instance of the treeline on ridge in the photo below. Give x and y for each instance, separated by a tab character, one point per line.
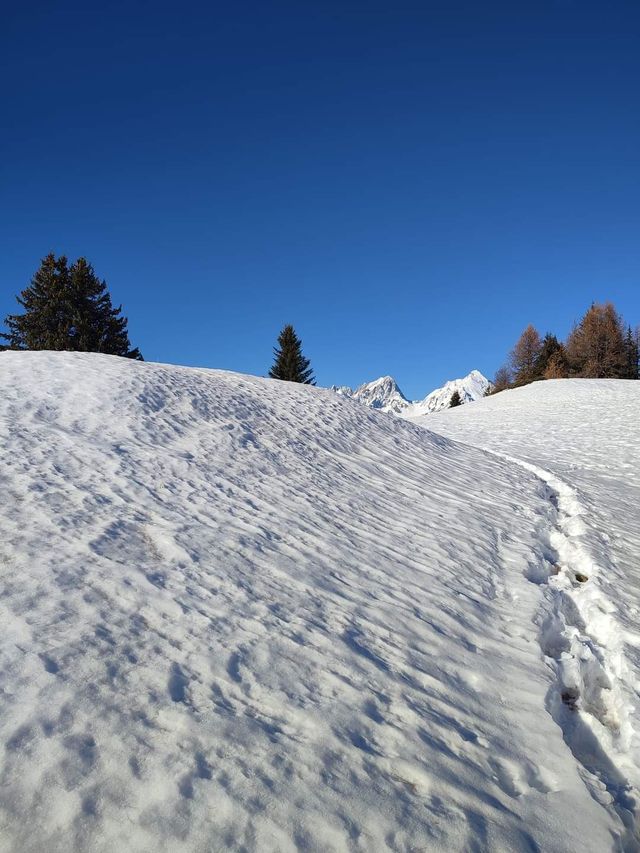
67	307
600	346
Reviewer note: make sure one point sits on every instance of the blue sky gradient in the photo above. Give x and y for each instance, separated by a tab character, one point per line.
408	184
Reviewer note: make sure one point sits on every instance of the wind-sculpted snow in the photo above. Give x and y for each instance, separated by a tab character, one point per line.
240	614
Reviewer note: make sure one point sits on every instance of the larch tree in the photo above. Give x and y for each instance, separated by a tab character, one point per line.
524	356
289	362
502	380
596	346
557	366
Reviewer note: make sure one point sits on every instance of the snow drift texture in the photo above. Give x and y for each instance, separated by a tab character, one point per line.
239	614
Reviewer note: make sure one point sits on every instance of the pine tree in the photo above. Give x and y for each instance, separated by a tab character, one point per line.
455	400
68	308
524	356
290	364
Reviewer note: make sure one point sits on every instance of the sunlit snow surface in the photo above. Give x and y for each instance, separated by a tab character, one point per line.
239	614
582	437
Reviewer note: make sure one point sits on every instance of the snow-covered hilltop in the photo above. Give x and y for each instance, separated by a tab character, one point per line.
385	395
244	614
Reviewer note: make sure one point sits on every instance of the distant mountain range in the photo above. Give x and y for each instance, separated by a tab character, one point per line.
384	394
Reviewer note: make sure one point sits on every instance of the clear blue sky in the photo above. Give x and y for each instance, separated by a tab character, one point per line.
409	184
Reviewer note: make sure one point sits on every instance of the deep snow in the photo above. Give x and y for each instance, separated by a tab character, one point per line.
240	614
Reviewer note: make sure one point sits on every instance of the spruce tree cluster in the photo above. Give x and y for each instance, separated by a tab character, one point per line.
455	400
289	362
67	307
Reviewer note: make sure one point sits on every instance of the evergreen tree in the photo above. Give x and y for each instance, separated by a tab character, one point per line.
290	364
455	400
632	349
551	349
524	356
97	325
46	321
68	308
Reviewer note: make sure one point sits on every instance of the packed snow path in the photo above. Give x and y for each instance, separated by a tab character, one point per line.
239	614
589	430
579	631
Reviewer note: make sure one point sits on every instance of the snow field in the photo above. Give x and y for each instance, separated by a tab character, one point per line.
247	615
584	429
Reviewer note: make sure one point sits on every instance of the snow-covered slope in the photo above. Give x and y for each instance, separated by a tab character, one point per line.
582	438
385	395
239	614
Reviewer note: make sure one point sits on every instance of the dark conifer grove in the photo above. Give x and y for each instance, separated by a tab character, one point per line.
289	362
68	308
455	400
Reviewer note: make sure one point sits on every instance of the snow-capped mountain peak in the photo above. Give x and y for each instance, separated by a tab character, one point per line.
471	387
385	394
